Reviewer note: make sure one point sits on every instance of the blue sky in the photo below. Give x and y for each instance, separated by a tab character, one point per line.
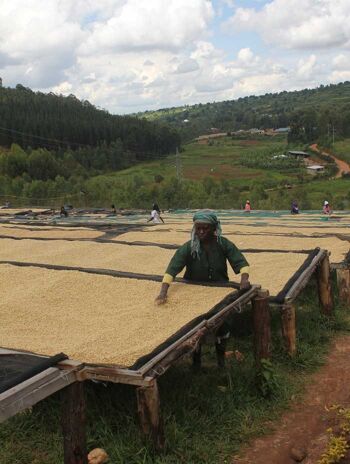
128	56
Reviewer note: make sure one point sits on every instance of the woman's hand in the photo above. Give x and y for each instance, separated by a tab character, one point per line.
245	284
162	297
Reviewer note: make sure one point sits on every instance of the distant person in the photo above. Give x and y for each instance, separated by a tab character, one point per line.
294	209
155	207
156	218
114	211
247	207
63	212
326	208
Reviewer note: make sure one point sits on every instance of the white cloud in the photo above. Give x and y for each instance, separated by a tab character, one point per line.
341	62
306	67
297	24
186	66
149	25
206	51
129	55
339	76
245	55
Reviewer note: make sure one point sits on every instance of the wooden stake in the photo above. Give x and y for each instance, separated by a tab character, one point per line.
220	349
343	281
288	328
197	358
262	327
148	407
73	424
324	287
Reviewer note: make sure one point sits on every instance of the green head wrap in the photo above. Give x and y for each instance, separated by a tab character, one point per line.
205	217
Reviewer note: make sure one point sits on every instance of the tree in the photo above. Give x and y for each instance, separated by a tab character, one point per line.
42	165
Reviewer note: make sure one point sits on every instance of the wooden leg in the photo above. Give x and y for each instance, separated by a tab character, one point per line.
197	358
73	424
148	407
343	281
324	287
262	326
220	349
288	328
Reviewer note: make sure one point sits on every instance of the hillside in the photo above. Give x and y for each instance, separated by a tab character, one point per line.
38	120
322	107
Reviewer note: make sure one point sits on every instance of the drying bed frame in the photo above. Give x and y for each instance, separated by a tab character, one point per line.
68	375
317	263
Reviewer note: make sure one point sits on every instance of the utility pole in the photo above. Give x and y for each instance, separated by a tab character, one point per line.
178	164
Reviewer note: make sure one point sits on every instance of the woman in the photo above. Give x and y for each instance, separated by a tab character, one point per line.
156	218
205	257
247	207
326	208
294	209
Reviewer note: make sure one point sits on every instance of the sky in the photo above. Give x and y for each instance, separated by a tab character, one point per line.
127	56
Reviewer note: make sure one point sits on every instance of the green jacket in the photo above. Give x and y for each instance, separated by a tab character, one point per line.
210	266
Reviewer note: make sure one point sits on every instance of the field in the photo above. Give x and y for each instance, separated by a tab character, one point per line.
222	174
220	159
91	318
342	149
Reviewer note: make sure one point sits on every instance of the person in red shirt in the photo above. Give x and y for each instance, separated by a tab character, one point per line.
326	208
247	208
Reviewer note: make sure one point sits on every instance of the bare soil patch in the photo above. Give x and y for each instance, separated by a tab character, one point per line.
343	167
304	427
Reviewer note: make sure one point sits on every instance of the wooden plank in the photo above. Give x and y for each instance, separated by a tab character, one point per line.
36	381
187	346
33	390
215	320
115	376
148	407
146	367
304	277
342	265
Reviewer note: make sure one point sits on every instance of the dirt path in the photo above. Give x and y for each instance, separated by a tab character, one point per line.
343	167
304	426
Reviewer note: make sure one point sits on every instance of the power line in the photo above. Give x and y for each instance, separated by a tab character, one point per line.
138	155
57	141
178	164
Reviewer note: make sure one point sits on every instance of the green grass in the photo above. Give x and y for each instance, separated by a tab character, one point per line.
221	160
342	149
208	416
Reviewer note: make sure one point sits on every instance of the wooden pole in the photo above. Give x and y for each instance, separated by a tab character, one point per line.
220	349
148	407
262	327
73	424
197	358
343	281
324	287
288	328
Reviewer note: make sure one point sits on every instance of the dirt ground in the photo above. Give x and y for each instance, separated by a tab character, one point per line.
343	167
304	427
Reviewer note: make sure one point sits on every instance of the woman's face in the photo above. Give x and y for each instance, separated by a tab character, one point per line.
204	231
